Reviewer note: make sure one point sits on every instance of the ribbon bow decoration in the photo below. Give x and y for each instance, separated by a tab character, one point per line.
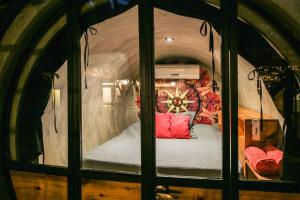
203	31
51	78
251	76
92	31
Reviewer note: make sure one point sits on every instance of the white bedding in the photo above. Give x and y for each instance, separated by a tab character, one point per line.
187	157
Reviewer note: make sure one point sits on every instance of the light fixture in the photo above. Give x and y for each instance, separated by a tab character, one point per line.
55	98
173	83
169	39
123	85
122	82
108	84
125	82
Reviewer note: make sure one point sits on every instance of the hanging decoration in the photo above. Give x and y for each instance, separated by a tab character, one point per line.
203	31
90	30
204	102
177	101
54	100
251	76
51	78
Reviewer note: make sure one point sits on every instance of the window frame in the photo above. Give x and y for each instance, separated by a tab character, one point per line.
230	183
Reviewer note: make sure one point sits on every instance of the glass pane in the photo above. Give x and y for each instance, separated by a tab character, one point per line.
107	190
267	93
110	94
39	186
54	121
186	193
257	195
188	96
38	123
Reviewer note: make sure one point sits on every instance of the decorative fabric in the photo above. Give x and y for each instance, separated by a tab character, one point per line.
162	125
179	126
264	161
178	96
178	101
275	154
199	97
209	107
191	114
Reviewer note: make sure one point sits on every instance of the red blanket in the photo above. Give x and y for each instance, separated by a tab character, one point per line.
266	160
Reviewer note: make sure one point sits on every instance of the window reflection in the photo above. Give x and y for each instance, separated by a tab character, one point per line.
110	108
267	113
188	138
188	97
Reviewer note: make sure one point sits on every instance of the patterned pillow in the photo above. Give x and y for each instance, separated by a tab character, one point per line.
179	127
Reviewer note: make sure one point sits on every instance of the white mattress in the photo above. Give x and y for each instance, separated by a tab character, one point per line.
200	157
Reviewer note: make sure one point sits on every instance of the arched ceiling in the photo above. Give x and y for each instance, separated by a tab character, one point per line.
114	52
117	38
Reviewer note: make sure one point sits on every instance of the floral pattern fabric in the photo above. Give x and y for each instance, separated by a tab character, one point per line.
205	102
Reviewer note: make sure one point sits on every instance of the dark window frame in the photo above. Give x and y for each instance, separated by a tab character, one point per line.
230	183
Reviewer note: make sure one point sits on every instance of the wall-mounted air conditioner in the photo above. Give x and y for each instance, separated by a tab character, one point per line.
177	71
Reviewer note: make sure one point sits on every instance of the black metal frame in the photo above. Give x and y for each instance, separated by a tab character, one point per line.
146	47
230	184
74	99
233	100
225	70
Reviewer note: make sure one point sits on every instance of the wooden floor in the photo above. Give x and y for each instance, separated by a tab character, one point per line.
29	186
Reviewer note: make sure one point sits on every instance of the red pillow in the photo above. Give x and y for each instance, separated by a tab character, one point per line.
162	125
180	126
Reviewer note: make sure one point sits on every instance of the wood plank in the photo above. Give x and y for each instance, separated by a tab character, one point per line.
270	136
110	190
185	193
245	113
258	195
39	186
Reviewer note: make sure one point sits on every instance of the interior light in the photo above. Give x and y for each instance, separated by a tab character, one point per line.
169	39
125	82
173	83
122	82
107	84
56	97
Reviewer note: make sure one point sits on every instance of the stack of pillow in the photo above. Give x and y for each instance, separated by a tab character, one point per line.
265	160
171	125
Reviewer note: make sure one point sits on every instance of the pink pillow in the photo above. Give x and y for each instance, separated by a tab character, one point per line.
162	125
180	126
260	161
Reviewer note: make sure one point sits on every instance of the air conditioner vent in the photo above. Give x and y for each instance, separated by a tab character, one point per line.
177	71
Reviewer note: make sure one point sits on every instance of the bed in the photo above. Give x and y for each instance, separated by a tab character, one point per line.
201	156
